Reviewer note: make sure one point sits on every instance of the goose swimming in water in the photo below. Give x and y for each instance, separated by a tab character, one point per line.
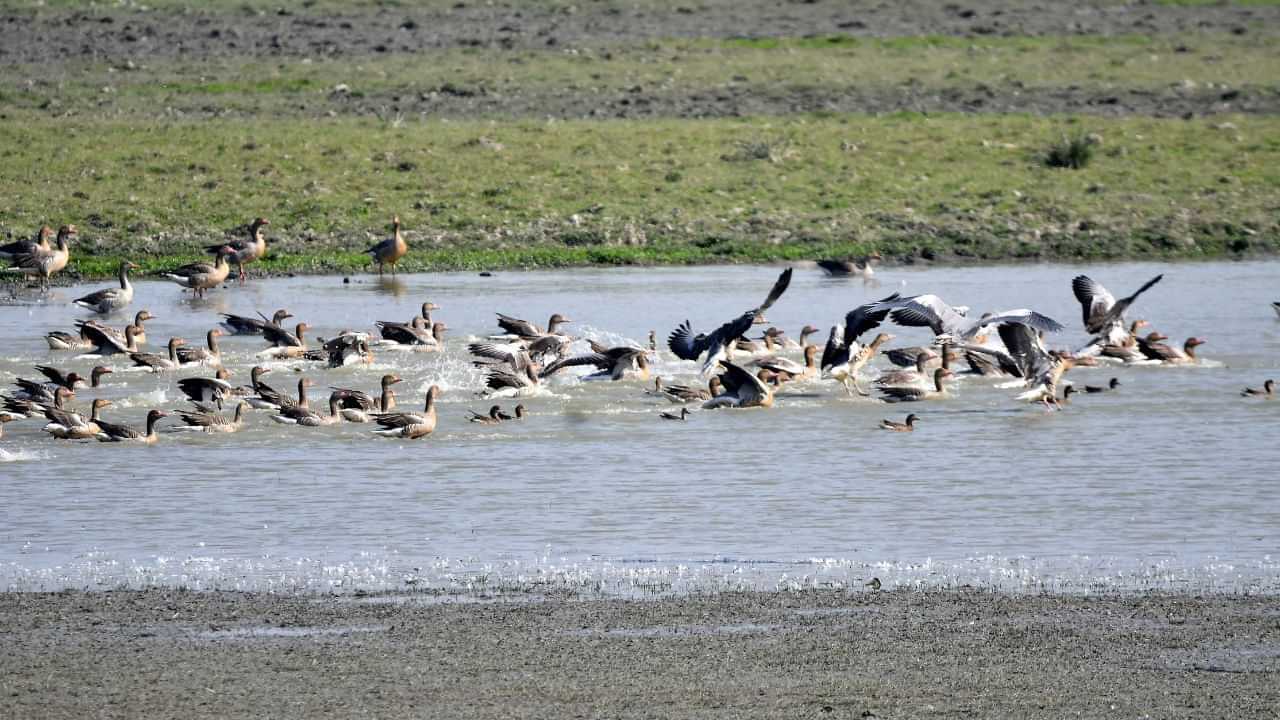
109	300
211	422
210	356
66	425
159	363
789	369
243	325
616	363
680	394
111	432
408	425
359	407
741	389
688	346
1154	349
917	394
207	390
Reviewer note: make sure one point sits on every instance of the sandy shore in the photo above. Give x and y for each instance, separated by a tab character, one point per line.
815	654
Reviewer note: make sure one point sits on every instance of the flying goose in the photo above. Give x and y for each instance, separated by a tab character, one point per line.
1103	314
688	346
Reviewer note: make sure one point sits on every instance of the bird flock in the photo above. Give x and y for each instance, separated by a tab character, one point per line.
732	369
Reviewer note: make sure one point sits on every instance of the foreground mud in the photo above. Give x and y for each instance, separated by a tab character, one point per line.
900	654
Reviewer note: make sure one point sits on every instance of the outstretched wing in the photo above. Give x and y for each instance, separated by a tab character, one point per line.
779	286
1095	302
1024	316
866	317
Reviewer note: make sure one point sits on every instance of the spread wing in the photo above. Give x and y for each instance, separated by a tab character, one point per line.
1024	347
779	286
1026	317
866	317
1095	302
516	326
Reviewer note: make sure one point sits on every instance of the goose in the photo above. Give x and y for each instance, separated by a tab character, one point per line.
741	389
207	390
211	422
790	369
843	356
109	300
684	413
44	262
410	426
20	408
906	357
715	346
111	432
1115	383
919	375
61	340
299	414
244	250
109	341
200	276
210	356
1040	369
908	426
616	363
917	394
947	323
243	325
1124	351
501	382
681	394
38	243
67	425
265	397
857	267
1153	349
768	344
358	406
285	344
389	251
1103	314
1267	392
805	332
527	330
159	363
348	348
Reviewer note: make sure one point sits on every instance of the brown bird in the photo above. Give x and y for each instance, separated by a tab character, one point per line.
389	251
908	426
245	250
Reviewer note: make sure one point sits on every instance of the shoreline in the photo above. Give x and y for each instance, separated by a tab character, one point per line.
829	653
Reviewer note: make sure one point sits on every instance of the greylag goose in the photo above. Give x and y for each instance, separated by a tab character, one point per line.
62	340
684	413
906	357
917	394
1153	349
108	341
111	432
206	390
410	426
67	425
919	375
789	369
688	346
200	276
843	356
243	325
244	250
265	397
684	394
159	363
528	331
616	363
21	408
389	251
211	422
109	300
948	323
210	356
38	243
285	344
908	426
45	262
1103	314
1268	391
306	417
741	389
856	267
501	382
357	406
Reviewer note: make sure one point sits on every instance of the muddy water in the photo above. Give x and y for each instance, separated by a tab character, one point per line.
1168	483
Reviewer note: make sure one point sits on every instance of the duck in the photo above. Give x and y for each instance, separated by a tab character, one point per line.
357	406
38	243
681	394
684	413
243	325
909	425
159	363
111	432
245	250
206	390
917	394
1103	314
410	426
45	262
1153	349
494	417
789	369
109	300
200	276
306	417
1065	400
615	363
389	251
210	356
1115	383
715	346
741	389
856	267
210	422
1267	392
67	425
285	344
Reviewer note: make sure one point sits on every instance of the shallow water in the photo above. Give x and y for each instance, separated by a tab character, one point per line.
1169	483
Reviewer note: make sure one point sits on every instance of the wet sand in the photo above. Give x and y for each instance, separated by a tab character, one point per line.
811	654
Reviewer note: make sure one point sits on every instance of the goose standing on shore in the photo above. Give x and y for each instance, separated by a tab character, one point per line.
200	276
39	242
45	262
244	250
389	251
109	300
716	346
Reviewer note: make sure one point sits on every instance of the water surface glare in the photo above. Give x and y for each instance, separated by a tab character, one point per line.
1169	483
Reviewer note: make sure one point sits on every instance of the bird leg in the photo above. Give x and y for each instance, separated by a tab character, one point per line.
861	392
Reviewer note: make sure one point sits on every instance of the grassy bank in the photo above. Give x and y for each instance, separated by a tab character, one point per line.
500	194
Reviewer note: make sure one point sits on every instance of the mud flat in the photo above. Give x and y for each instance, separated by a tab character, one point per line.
166	653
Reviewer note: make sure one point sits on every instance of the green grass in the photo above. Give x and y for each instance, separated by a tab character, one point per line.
498	194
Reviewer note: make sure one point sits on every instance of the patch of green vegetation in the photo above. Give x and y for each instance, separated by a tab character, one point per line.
500	194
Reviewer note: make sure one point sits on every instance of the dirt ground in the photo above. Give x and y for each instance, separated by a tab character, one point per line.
813	654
